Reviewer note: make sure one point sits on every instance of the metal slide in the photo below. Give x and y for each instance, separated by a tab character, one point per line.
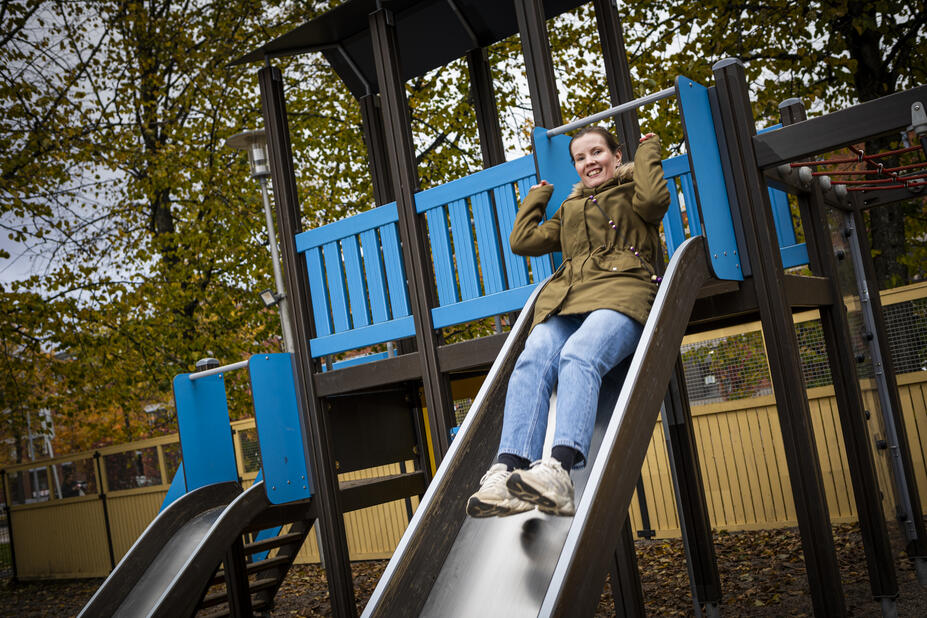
168	568
534	564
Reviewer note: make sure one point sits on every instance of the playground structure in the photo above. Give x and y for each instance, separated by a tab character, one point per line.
416	264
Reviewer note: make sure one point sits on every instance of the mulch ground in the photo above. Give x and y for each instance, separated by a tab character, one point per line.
762	574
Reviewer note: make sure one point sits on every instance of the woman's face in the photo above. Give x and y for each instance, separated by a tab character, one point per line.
593	160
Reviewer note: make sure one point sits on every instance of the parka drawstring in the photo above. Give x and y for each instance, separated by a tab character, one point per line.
653	275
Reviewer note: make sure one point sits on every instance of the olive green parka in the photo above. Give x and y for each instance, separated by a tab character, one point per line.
602	268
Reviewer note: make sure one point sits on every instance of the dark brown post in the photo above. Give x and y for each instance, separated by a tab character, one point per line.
317	438
836	329
617	73
415	254
377	155
484	104
539	65
749	187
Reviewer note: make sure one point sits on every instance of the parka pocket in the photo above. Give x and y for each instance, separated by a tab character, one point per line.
617	261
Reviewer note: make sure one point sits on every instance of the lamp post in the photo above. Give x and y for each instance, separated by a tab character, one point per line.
255	144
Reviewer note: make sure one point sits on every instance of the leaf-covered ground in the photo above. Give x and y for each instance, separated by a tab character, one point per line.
762	574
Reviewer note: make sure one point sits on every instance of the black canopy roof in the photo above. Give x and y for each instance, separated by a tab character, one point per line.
432	33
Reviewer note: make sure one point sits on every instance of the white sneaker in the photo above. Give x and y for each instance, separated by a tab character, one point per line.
493	498
546	485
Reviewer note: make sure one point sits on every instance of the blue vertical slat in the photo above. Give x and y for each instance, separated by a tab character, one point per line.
441	256
395	272
672	221
506	208
708	172
336	291
376	282
488	242
280	428
318	293
354	273
464	249
541	267
688	194
782	215
205	430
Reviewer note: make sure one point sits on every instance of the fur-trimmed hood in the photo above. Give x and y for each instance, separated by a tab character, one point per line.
623	173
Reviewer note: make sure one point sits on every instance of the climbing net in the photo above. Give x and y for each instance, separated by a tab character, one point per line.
868	173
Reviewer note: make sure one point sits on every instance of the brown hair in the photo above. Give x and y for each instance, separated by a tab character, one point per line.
610	140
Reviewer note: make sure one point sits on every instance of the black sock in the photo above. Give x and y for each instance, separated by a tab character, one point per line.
566	455
513	462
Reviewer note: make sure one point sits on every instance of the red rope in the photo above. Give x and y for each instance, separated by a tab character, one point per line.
861	156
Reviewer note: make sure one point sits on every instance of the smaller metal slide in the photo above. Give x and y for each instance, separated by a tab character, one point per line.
169	567
534	564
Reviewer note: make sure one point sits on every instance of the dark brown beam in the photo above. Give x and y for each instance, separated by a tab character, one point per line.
398	130
484	104
374	374
832	131
377	154
539	65
315	423
617	73
362	493
736	118
472	354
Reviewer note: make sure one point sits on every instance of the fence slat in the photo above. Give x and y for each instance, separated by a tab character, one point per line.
515	266
318	293
487	242
441	257
354	272
337	293
395	272
464	249
376	281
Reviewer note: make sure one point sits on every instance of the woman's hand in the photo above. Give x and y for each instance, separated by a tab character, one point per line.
540	184
647	137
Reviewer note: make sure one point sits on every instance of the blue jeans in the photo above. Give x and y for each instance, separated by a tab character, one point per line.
576	350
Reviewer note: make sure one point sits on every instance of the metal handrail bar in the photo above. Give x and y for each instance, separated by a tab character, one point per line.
639	102
222	369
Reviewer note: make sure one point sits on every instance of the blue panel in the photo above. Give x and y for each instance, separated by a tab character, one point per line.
350	226
441	256
337	294
205	430
395	273
464	249
354	273
672	222
692	213
487	240
376	281
554	165
675	166
176	489
474	183
362	337
795	255
281	431
705	161
318	293
494	304
359	360
782	215
506	208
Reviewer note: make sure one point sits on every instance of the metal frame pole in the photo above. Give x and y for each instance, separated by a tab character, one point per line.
288	340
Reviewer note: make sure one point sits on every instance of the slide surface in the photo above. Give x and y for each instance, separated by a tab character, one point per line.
168	568
534	564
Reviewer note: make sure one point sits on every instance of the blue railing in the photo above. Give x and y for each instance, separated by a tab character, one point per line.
356	277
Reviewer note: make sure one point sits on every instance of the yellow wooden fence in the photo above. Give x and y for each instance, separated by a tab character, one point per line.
739	444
